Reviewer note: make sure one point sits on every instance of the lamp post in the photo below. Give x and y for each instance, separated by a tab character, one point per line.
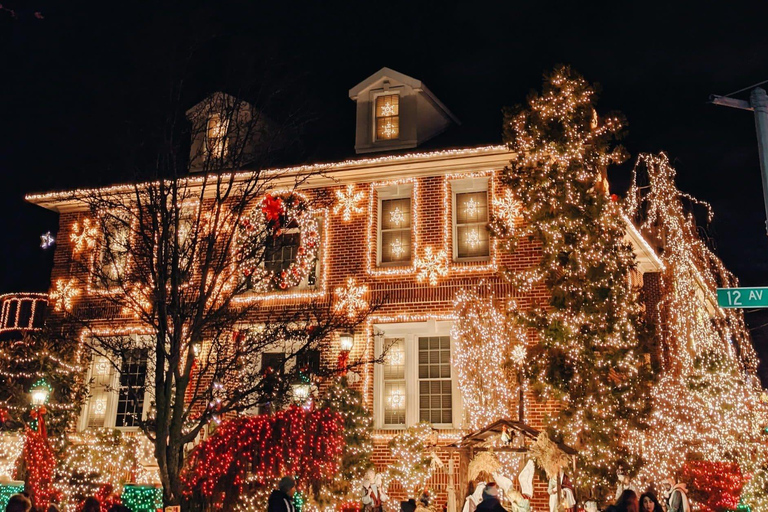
301	390
346	341
39	394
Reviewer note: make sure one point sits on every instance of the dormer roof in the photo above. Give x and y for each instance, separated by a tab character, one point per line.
421	114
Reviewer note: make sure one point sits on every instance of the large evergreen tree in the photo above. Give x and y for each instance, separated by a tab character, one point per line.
587	354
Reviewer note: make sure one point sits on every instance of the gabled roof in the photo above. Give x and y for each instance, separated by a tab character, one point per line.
478	438
398	77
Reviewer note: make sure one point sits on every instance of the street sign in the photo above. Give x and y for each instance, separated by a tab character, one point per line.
743	297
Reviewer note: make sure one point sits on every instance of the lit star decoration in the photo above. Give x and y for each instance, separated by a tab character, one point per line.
347	203
432	266
47	240
83	235
351	298
64	294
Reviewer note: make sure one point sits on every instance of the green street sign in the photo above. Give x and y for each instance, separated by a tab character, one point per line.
743	297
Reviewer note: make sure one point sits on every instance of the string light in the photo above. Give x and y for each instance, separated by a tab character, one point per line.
83	235
47	240
347	202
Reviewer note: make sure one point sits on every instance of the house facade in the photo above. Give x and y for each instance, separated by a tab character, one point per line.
407	230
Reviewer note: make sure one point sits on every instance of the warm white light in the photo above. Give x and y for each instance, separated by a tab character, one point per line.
39	396
346	341
301	391
398	249
396	216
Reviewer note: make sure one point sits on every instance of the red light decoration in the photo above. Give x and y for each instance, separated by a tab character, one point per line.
715	485
261	449
40	462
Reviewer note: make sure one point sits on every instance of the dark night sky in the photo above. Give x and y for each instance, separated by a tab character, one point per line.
74	82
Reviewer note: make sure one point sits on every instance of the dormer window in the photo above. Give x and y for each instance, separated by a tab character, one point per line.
215	136
388	117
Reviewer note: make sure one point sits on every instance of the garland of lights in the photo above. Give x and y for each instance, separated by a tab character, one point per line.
411	466
7	490
715	485
142	498
277	213
258	450
39	461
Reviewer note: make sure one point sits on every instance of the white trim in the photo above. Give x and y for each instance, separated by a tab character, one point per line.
387	192
410	332
387	91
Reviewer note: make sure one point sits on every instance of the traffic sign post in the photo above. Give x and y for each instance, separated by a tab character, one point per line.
743	297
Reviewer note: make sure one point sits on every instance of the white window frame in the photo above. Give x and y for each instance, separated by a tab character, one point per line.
395	91
223	129
110	416
463	186
400	191
410	332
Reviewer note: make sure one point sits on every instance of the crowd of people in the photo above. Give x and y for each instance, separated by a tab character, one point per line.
22	503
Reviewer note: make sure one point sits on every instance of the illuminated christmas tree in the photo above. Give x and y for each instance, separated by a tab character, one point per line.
588	354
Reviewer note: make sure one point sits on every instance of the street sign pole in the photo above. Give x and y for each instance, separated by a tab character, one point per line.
758	103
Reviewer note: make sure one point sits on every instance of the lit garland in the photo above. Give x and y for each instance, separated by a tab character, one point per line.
484	344
275	215
40	462
64	294
17	299
431	266
347	202
7	490
708	403
11	447
351	298
715	485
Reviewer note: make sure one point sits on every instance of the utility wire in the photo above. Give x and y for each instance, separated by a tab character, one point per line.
744	89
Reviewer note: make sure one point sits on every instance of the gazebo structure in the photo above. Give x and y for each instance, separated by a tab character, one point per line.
521	437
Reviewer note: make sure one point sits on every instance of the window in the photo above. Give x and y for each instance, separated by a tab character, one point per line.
435	396
130	397
272	364
308	361
387	117
281	250
215	136
471	237
394	382
117	399
114	251
395	236
415	382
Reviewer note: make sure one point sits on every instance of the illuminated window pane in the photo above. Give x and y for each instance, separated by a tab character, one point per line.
472	237
387	117
215	136
396	230
130	399
114	251
394	381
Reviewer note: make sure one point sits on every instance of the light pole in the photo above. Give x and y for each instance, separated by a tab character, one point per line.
758	103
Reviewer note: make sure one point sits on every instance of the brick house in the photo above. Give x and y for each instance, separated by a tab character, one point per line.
409	201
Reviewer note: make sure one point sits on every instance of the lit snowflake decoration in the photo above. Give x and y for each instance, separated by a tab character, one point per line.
395	356
83	236
396	216
390	130
397	247
473	239
508	208
396	400
518	355
387	109
470	207
350	299
100	407
347	202
47	240
64	294
432	266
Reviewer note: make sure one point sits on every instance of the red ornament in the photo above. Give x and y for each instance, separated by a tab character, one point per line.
614	198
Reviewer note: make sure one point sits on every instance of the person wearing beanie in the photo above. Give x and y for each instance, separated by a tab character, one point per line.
490	501
281	499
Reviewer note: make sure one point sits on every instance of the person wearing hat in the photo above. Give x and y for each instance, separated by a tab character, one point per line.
490	501
281	499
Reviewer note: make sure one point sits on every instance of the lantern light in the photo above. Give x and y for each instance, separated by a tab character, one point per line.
40	391
346	341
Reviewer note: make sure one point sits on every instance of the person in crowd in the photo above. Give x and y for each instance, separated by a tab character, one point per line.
281	499
649	503
627	502
18	503
678	497
91	504
490	501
